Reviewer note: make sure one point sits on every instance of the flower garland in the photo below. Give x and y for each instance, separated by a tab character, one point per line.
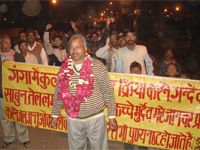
84	87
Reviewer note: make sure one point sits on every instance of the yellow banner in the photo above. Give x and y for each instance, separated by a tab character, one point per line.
151	111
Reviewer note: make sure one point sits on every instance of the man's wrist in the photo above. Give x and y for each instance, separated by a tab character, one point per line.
111	117
55	116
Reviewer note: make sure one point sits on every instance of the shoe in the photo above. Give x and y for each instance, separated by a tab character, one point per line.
27	144
6	144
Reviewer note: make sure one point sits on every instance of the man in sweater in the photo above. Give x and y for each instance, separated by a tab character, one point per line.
132	52
35	48
8	54
87	88
128	54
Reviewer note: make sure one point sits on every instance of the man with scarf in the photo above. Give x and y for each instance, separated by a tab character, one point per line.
8	54
84	87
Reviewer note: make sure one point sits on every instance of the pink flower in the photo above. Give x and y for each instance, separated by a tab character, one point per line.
78	92
61	77
60	72
87	79
76	107
76	102
66	60
71	72
89	69
66	77
83	94
65	89
61	82
59	96
91	79
66	102
73	114
85	87
68	110
69	96
91	87
70	103
84	90
79	86
58	85
64	65
66	83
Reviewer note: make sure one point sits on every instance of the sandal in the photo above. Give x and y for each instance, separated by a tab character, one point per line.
27	144
6	144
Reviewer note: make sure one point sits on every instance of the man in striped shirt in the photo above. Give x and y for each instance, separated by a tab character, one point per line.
91	118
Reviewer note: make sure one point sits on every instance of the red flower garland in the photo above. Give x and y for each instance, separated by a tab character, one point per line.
84	88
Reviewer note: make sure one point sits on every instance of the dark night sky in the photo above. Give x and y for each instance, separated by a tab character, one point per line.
64	11
60	13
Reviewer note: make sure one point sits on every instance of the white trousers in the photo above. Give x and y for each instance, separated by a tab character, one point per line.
95	128
8	127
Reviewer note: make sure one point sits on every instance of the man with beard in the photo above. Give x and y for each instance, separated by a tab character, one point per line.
93	44
107	52
132	52
35	48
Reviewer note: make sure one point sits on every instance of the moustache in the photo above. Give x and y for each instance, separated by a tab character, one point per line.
113	42
74	53
130	40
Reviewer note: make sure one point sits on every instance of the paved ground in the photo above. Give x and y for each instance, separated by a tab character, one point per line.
52	140
47	139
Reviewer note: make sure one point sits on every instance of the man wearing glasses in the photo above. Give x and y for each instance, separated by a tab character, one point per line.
29	57
132	52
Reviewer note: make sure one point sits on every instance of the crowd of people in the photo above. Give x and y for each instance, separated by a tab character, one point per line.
109	51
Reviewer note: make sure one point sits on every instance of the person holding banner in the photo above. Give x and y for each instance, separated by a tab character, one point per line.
84	87
8	54
126	56
132	52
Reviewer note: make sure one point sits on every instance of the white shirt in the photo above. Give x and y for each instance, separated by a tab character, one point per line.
103	53
60	54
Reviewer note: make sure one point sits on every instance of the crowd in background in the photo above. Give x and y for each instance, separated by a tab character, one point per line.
54	42
116	48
